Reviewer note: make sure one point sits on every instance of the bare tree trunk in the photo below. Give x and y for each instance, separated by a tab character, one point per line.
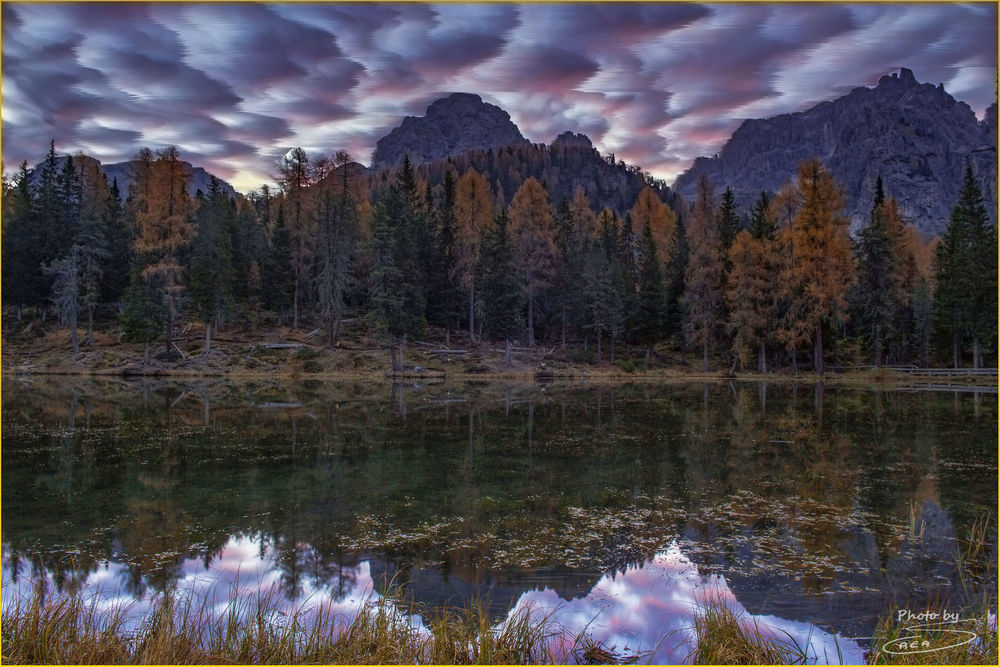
818	351
954	350
762	358
145	354
704	355
90	325
795	362
392	355
472	313
506	354
295	304
598	346
611	358
73	332
649	351
208	336
564	327
531	319
977	354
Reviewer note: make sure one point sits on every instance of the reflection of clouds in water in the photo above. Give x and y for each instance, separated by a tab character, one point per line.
651	608
647	608
239	573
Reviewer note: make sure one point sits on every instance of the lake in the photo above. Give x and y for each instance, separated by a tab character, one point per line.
817	509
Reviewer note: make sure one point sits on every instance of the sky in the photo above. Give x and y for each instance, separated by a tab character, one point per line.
236	85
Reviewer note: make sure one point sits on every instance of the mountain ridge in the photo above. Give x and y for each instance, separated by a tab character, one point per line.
915	135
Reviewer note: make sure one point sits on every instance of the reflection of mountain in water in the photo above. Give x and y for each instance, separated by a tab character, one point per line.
648	608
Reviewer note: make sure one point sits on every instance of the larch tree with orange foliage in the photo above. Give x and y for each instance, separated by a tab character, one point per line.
650	210
820	263
703	277
164	227
473	212
533	230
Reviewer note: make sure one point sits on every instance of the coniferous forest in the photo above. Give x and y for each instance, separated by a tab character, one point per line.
529	246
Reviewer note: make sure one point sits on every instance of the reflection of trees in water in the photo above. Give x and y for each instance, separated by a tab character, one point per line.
507	465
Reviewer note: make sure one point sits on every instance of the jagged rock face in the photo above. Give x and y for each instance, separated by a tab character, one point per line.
569	139
917	136
453	125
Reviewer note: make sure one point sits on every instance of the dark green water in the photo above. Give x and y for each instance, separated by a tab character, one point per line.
827	505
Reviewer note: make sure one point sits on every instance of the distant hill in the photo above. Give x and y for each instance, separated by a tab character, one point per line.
122	172
915	135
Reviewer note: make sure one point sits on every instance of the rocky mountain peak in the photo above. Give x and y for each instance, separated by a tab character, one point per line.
452	125
915	135
569	139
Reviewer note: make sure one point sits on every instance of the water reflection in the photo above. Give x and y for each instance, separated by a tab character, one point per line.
645	609
820	505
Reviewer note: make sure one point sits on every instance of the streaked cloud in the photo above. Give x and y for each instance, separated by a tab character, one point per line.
236	85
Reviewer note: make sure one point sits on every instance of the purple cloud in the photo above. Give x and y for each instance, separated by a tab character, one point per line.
234	85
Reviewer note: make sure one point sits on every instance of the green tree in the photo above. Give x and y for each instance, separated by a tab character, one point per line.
876	299
211	269
533	229
142	315
965	302
398	301
499	286
703	285
651	298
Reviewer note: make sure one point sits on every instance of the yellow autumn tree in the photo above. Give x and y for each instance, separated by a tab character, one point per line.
473	216
820	265
749	297
650	210
533	230
163	224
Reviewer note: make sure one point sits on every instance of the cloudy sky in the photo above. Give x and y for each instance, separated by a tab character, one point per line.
236	85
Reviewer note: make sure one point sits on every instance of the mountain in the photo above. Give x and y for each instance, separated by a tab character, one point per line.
122	171
455	124
916	135
200	179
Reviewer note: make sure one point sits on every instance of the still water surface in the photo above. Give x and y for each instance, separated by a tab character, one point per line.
815	510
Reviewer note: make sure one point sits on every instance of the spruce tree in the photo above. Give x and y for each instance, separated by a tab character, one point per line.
650	299
499	285
966	273
211	270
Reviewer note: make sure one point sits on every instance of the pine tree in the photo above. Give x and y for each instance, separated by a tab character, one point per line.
398	301
499	286
142	315
23	281
445	296
277	271
337	235
603	289
651	299
729	222
295	179
211	269
703	293
966	273
65	273
762	224
677	268
876	300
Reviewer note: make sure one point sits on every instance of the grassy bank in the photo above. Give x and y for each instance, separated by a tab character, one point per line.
70	630
248	354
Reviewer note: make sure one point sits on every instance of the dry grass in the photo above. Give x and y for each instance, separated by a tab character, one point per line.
71	630
725	637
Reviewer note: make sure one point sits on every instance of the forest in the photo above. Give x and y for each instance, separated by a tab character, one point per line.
485	248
